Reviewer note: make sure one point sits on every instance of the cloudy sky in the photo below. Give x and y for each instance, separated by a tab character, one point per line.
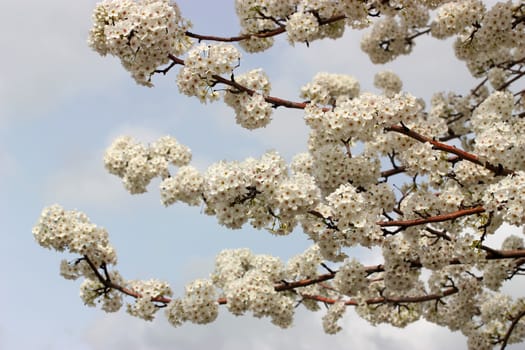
61	105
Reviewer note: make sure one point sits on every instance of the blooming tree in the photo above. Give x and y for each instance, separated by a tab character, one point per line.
425	184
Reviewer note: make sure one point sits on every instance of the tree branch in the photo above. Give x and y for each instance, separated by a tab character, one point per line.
386	300
262	34
511	328
275	101
284	286
436	218
497	170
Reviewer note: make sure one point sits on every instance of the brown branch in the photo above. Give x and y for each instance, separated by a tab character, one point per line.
512	80
106	282
262	34
394	171
398	169
511	328
416	34
284	286
382	300
275	101
305	282
497	170
436	218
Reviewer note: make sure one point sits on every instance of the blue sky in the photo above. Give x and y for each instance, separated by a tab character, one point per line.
61	105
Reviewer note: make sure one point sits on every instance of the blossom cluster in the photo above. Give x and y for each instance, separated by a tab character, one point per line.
144	306
456	17
339	192
140	33
203	64
72	231
498	36
110	300
137	164
251	111
199	304
361	118
326	88
499	137
507	198
248	284
351	277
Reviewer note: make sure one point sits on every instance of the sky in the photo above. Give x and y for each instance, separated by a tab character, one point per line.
61	105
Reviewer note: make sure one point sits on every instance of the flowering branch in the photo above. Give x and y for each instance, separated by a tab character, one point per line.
107	283
386	300
402	129
275	101
436	218
261	34
513	325
285	286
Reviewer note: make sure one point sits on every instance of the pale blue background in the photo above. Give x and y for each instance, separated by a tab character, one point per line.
61	105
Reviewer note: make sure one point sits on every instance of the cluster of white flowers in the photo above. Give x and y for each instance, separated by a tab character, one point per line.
453	108
305	265
140	33
336	191
351	277
496	311
199	304
308	20
456	313
144	306
185	186
362	118
467	251
399	276
497	77
422	158
111	300
507	198
326	88
497	37
248	284
71	230
302	27
455	17
137	164
389	82
204	62
385	41
237	192
498	136
434	253
296	195
334	313
252	13
251	111
300	18
349	206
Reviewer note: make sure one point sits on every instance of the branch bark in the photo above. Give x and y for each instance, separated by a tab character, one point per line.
496	169
284	286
